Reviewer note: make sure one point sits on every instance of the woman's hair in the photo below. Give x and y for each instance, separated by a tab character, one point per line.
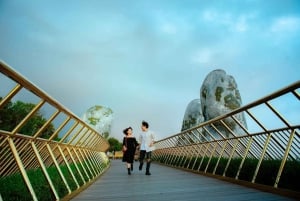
126	130
144	123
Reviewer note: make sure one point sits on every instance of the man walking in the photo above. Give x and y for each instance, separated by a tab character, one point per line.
146	140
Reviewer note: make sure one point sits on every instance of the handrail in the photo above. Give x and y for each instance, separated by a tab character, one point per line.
223	145
291	88
78	156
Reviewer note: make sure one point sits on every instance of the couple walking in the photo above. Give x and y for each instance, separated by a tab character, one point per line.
146	143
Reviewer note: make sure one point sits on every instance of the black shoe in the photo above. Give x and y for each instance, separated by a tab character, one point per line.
129	173
148	168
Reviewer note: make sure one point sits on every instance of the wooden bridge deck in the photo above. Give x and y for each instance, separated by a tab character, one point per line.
167	184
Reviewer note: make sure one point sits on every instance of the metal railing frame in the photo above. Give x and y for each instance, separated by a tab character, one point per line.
80	145
184	149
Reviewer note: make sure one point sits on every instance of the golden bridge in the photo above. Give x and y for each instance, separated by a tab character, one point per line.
212	161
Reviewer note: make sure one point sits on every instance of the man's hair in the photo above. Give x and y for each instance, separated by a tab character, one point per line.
144	123
126	130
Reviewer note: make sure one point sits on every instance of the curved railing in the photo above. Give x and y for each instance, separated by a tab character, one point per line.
265	151
66	160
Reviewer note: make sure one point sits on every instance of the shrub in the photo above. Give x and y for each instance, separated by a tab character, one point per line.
13	187
233	167
248	169
266	175
221	166
290	176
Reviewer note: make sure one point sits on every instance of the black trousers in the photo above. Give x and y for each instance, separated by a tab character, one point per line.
144	154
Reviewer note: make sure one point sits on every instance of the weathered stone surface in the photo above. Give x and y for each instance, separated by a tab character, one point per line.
99	118
193	115
219	95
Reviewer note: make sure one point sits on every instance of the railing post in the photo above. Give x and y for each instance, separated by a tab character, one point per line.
245	155
13	92
79	159
68	166
288	147
221	154
231	155
74	162
88	162
31	113
21	152
206	148
261	157
44	170
211	155
22	169
58	168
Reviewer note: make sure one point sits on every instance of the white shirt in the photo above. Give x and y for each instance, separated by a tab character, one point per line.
146	139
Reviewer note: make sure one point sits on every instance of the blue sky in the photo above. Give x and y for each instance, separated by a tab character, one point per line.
146	60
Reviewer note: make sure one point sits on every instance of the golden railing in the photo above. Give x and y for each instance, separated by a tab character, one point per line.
225	147
74	149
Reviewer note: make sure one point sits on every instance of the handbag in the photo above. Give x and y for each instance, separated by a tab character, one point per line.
124	148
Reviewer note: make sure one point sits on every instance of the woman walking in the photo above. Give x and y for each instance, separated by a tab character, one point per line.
129	147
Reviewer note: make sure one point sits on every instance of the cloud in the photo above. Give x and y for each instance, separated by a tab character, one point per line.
285	24
241	25
148	60
231	21
203	56
169	28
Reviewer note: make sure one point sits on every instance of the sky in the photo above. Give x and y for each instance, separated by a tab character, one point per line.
147	59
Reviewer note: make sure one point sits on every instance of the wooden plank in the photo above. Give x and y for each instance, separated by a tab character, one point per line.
166	184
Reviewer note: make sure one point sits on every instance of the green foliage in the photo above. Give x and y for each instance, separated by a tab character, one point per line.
13	113
197	163
13	187
212	165
105	135
237	94
233	167
93	120
290	176
248	169
204	163
218	93
266	175
268	172
98	107
57	181
231	102
40	185
231	86
221	166
108	112
189	123
114	144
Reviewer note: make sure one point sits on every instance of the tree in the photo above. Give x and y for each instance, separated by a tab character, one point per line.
115	145
105	135
13	113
